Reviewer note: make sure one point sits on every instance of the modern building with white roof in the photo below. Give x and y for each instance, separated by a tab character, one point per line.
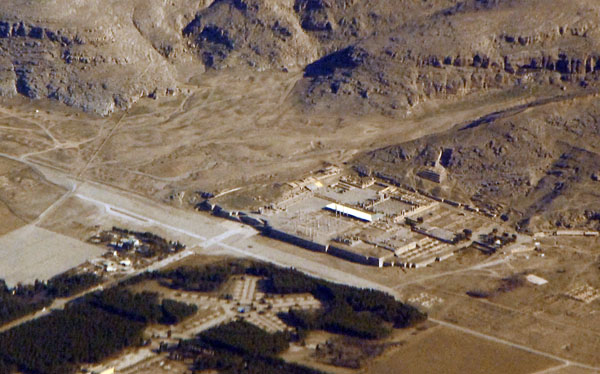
536	280
355	213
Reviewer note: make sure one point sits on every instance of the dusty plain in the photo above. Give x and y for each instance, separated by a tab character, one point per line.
142	107
243	129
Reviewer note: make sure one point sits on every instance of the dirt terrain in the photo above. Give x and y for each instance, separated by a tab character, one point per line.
125	112
24	195
232	129
250	94
462	353
537	166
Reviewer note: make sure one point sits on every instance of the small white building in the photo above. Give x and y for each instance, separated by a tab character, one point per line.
125	262
538	281
354	213
110	267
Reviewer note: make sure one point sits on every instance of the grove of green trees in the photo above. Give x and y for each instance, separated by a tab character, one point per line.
103	323
86	331
239	347
22	300
363	313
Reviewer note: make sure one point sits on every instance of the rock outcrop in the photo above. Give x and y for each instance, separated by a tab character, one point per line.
100	65
474	46
534	166
368	55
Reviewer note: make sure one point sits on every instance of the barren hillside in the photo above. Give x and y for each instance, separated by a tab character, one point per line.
99	56
537	167
376	55
473	46
343	76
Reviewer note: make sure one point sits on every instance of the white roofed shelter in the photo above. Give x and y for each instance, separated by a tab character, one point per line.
536	280
355	213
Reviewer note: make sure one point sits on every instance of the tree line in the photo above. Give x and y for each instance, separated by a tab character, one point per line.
103	323
22	300
86	331
239	347
363	313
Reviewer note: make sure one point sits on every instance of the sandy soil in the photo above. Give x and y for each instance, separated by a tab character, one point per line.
440	350
10	221
237	128
32	253
24	194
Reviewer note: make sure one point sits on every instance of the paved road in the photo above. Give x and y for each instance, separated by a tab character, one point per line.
168	215
130	215
59	304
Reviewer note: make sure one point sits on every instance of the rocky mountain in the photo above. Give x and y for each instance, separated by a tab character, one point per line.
99	56
536	165
472	46
397	59
374	55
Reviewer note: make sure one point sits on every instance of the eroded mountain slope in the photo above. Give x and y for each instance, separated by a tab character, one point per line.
99	56
369	55
538	167
474	46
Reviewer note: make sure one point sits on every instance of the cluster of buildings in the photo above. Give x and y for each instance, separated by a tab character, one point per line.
130	250
363	220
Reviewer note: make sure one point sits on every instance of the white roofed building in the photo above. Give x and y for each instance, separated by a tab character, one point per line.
354	213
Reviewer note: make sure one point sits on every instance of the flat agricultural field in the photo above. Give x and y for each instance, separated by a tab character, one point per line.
442	350
31	253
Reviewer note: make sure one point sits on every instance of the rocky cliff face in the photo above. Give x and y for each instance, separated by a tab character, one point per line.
285	34
92	56
470	47
101	56
260	34
370	55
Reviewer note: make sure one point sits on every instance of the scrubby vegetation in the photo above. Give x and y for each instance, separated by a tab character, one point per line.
505	285
93	328
351	353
